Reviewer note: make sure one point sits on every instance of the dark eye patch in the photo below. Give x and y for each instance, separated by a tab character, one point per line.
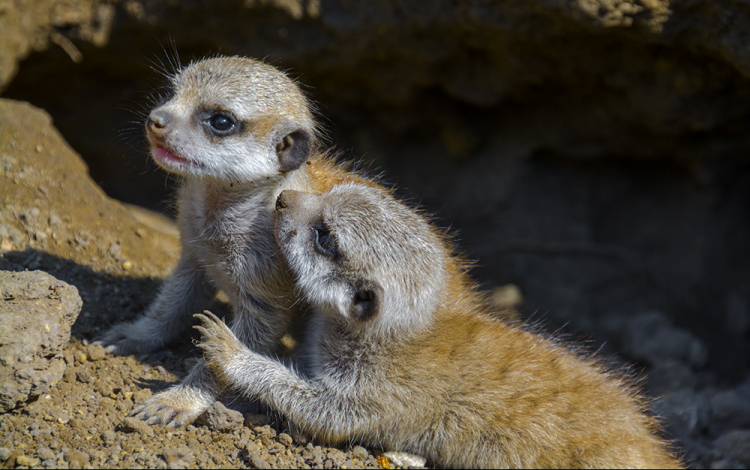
220	123
323	240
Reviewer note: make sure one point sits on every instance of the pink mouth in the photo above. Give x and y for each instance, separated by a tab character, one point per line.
164	156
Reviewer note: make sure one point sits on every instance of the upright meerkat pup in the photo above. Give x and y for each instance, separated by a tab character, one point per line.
238	132
402	353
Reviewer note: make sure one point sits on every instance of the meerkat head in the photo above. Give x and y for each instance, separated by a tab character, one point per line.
231	118
358	253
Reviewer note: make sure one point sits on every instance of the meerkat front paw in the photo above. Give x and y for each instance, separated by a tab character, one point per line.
217	341
174	407
128	338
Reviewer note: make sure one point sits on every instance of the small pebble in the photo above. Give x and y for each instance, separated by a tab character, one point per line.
360	453
219	418
250	449
109	437
285	439
96	352
258	462
84	376
77	459
131	424
45	453
173	454
25	461
405	459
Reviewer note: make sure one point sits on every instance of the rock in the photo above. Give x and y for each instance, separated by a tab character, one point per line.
405	459
337	457
725	464
685	412
359	452
313	454
80	357
24	461
172	455
249	449
220	418
285	439
109	437
258	462
131	424
36	314
729	409
252	420
95	352
84	376
736	446
88	217
299	436
669	376
77	459
651	337
45	453
141	395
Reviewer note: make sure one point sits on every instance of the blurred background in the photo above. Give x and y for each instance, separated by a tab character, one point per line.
593	153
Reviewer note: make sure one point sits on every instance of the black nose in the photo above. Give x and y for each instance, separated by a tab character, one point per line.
281	201
158	120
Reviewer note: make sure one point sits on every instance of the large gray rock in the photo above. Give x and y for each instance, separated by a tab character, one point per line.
36	313
736	446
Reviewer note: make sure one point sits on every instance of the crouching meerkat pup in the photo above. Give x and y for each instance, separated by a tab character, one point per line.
237	132
403	354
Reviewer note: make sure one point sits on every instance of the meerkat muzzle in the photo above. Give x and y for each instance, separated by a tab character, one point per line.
158	121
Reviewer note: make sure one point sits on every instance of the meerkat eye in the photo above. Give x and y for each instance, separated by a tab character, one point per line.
222	123
324	242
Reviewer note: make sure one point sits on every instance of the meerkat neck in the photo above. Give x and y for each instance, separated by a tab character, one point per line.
222	189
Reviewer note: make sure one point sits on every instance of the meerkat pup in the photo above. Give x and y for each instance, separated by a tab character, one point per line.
403	354
237	132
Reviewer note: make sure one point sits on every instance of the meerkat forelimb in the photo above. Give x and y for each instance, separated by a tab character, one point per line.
237	132
400	331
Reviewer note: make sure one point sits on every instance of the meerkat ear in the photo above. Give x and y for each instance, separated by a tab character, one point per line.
293	150
366	303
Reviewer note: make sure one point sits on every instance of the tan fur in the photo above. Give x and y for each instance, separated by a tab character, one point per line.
435	376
